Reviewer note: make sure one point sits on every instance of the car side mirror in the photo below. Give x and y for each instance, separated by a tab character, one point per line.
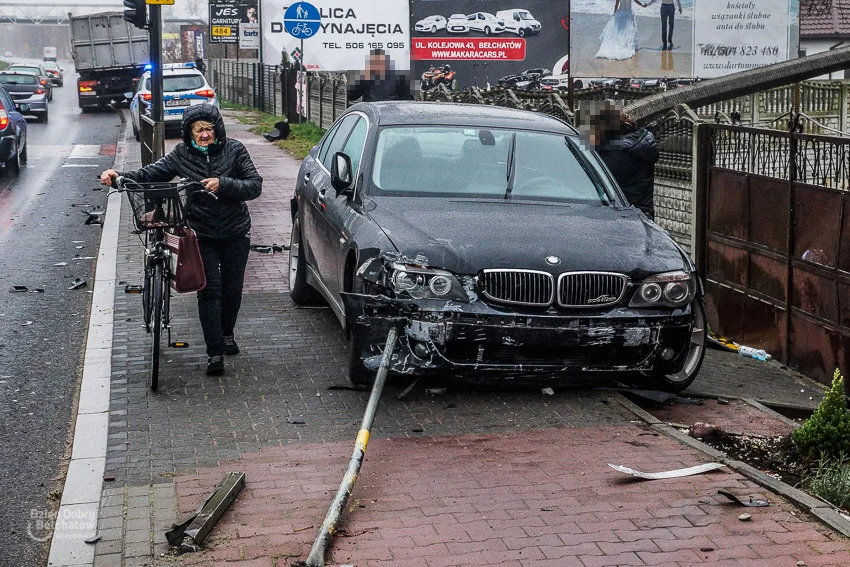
341	174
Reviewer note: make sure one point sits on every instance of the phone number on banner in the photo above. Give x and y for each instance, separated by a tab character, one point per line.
425	49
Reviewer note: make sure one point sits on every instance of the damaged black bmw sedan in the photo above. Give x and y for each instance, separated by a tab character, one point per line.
497	243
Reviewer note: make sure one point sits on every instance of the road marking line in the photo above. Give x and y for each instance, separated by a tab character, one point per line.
85	151
84	482
80	165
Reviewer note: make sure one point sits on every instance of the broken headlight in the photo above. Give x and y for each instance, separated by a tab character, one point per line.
414	282
670	289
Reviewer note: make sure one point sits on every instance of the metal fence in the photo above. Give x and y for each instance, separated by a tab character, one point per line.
327	98
253	85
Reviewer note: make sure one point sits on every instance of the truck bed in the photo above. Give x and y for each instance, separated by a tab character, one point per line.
106	41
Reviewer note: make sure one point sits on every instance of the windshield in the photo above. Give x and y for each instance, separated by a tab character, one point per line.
18	80
525	16
52	66
175	83
453	161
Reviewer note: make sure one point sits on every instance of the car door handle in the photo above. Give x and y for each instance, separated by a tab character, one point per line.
307	177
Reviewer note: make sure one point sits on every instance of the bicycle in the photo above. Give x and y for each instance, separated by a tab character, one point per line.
158	208
302	29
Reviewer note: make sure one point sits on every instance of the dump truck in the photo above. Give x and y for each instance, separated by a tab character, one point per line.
109	55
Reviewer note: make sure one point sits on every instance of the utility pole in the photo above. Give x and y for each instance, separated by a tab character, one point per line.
156	80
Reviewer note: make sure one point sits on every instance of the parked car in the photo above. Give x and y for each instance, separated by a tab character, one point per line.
393	222
13	133
39	70
55	72
431	24
527	80
27	93
457	24
519	21
182	86
484	22
8	54
558	83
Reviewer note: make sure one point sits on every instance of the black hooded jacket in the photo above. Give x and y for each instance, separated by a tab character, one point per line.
631	159
228	160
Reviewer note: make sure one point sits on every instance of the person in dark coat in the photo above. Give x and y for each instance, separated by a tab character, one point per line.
630	154
379	81
222	224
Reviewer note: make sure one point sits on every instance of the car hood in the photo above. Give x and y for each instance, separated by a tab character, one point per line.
465	236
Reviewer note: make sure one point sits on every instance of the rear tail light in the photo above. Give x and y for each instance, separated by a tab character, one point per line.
39	91
87	86
4	118
146	96
208	93
43	81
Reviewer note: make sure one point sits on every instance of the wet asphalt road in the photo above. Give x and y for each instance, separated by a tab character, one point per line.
42	335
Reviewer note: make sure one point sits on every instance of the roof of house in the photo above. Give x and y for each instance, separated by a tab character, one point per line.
824	18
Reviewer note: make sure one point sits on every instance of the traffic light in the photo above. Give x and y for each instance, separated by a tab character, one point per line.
136	13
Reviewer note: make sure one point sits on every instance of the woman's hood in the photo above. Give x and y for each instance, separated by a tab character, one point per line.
206	112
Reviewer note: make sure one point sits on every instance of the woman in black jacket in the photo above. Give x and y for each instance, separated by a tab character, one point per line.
223	225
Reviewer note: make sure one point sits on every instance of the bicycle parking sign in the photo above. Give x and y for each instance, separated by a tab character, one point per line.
302	20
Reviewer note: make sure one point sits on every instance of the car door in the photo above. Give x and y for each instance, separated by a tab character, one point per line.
316	188
337	212
19	123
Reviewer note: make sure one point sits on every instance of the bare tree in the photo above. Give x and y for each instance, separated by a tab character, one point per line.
197	8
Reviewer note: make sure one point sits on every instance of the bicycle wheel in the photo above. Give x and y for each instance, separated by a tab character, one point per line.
156	324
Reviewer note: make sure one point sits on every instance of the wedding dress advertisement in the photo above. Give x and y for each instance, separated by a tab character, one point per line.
618	40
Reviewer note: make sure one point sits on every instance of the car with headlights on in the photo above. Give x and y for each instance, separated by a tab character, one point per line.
55	72
27	93
496	242
38	70
13	133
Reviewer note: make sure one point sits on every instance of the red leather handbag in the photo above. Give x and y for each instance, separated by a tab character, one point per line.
187	267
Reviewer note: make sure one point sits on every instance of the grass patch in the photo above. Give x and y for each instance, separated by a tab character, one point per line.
831	481
302	137
233	106
3	65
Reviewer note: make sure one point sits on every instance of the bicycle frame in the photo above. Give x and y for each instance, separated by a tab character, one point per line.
156	252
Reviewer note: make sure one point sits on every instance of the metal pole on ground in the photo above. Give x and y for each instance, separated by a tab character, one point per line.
326	532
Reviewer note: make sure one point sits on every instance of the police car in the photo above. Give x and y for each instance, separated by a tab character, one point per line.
182	86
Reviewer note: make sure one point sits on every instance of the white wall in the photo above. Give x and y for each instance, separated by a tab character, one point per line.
813	46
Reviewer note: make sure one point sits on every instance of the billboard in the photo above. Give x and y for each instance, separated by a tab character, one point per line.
192	41
680	38
487	42
225	18
349	29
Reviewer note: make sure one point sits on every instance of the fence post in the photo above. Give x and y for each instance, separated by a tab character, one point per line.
702	158
334	85
842	107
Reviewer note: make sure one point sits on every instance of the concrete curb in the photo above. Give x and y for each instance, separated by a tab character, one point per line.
77	517
824	512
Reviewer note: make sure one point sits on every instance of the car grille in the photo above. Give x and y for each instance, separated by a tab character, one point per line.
590	289
518	287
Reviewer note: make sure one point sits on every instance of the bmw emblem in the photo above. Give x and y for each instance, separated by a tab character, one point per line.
553	260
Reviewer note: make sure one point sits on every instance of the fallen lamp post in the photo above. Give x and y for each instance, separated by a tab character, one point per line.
316	558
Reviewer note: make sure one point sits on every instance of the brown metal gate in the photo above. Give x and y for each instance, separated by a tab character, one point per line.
773	242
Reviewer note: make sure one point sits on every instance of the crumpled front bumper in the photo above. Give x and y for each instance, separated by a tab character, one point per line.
481	340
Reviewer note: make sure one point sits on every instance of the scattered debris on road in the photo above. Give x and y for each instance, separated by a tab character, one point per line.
698	469
189	534
78	283
60	264
749	502
93	540
745	517
548	392
269	248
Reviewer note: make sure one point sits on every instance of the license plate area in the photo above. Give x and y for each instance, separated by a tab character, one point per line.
182	102
23	107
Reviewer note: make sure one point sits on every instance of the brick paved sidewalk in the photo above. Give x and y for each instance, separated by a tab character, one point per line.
477	476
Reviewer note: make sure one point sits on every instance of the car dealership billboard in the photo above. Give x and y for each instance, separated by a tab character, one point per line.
480	42
704	38
348	30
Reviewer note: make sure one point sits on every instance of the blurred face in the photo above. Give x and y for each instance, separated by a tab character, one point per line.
203	133
377	65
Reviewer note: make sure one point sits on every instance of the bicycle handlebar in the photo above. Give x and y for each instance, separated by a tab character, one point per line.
120	180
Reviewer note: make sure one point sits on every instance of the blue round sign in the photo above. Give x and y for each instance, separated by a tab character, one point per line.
302	20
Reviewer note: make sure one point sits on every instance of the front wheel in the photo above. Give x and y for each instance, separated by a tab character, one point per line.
14	163
299	290
693	359
156	325
136	133
487	30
